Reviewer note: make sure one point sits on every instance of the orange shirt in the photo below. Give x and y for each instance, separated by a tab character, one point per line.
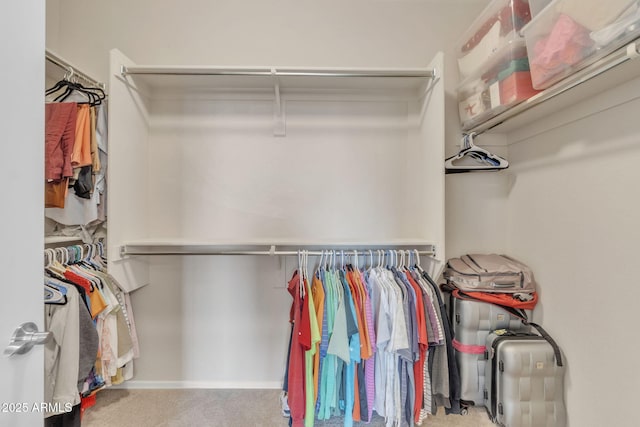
318	301
359	306
367	349
81	155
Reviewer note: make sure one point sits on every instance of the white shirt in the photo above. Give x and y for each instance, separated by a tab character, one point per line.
62	353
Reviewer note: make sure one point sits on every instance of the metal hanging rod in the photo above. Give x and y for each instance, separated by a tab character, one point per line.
51	242
73	70
218	71
129	250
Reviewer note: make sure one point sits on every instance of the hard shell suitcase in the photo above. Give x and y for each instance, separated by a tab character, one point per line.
524	381
472	321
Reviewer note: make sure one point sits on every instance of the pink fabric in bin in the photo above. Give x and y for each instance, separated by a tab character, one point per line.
567	44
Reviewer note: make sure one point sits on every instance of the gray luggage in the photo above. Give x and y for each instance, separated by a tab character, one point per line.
472	322
524	380
489	273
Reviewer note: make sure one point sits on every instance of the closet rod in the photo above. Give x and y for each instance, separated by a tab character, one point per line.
67	66
211	71
124	251
260	253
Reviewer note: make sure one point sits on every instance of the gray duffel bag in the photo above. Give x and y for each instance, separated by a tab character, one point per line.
489	273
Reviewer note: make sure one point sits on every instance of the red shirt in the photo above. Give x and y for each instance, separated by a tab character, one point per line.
60	133
418	366
300	342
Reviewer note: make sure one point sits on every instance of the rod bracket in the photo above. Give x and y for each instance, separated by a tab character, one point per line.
279	120
632	51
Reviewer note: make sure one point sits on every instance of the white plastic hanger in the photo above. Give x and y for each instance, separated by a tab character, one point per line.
317	272
300	278
481	159
305	264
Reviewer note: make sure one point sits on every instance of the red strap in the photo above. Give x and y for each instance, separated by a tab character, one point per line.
468	348
505	300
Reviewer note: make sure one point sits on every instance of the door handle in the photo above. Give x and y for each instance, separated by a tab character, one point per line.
25	337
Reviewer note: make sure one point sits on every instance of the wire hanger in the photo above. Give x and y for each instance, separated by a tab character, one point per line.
481	159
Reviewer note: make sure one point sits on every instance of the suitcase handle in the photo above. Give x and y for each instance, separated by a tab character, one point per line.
507	285
546	336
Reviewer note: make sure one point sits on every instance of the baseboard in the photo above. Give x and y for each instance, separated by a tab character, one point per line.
198	384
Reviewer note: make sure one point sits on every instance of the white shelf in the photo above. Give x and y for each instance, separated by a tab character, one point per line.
56	67
607	73
53	240
264	79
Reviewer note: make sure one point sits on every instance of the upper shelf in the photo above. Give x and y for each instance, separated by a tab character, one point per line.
404	80
56	66
609	72
61	240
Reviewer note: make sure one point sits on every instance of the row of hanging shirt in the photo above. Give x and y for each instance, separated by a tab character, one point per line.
75	154
91	319
368	340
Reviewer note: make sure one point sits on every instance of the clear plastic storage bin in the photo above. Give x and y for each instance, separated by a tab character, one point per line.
570	34
498	24
505	82
536	6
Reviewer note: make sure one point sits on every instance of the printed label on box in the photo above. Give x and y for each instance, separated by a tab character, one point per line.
494	91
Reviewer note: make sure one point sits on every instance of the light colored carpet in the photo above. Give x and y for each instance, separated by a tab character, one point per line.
222	408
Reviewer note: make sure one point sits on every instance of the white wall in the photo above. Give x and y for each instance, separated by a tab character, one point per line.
357	33
283	32
573	216
476	204
567	201
53	24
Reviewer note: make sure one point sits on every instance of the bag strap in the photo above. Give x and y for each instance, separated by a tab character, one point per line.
516	312
551	341
468	348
